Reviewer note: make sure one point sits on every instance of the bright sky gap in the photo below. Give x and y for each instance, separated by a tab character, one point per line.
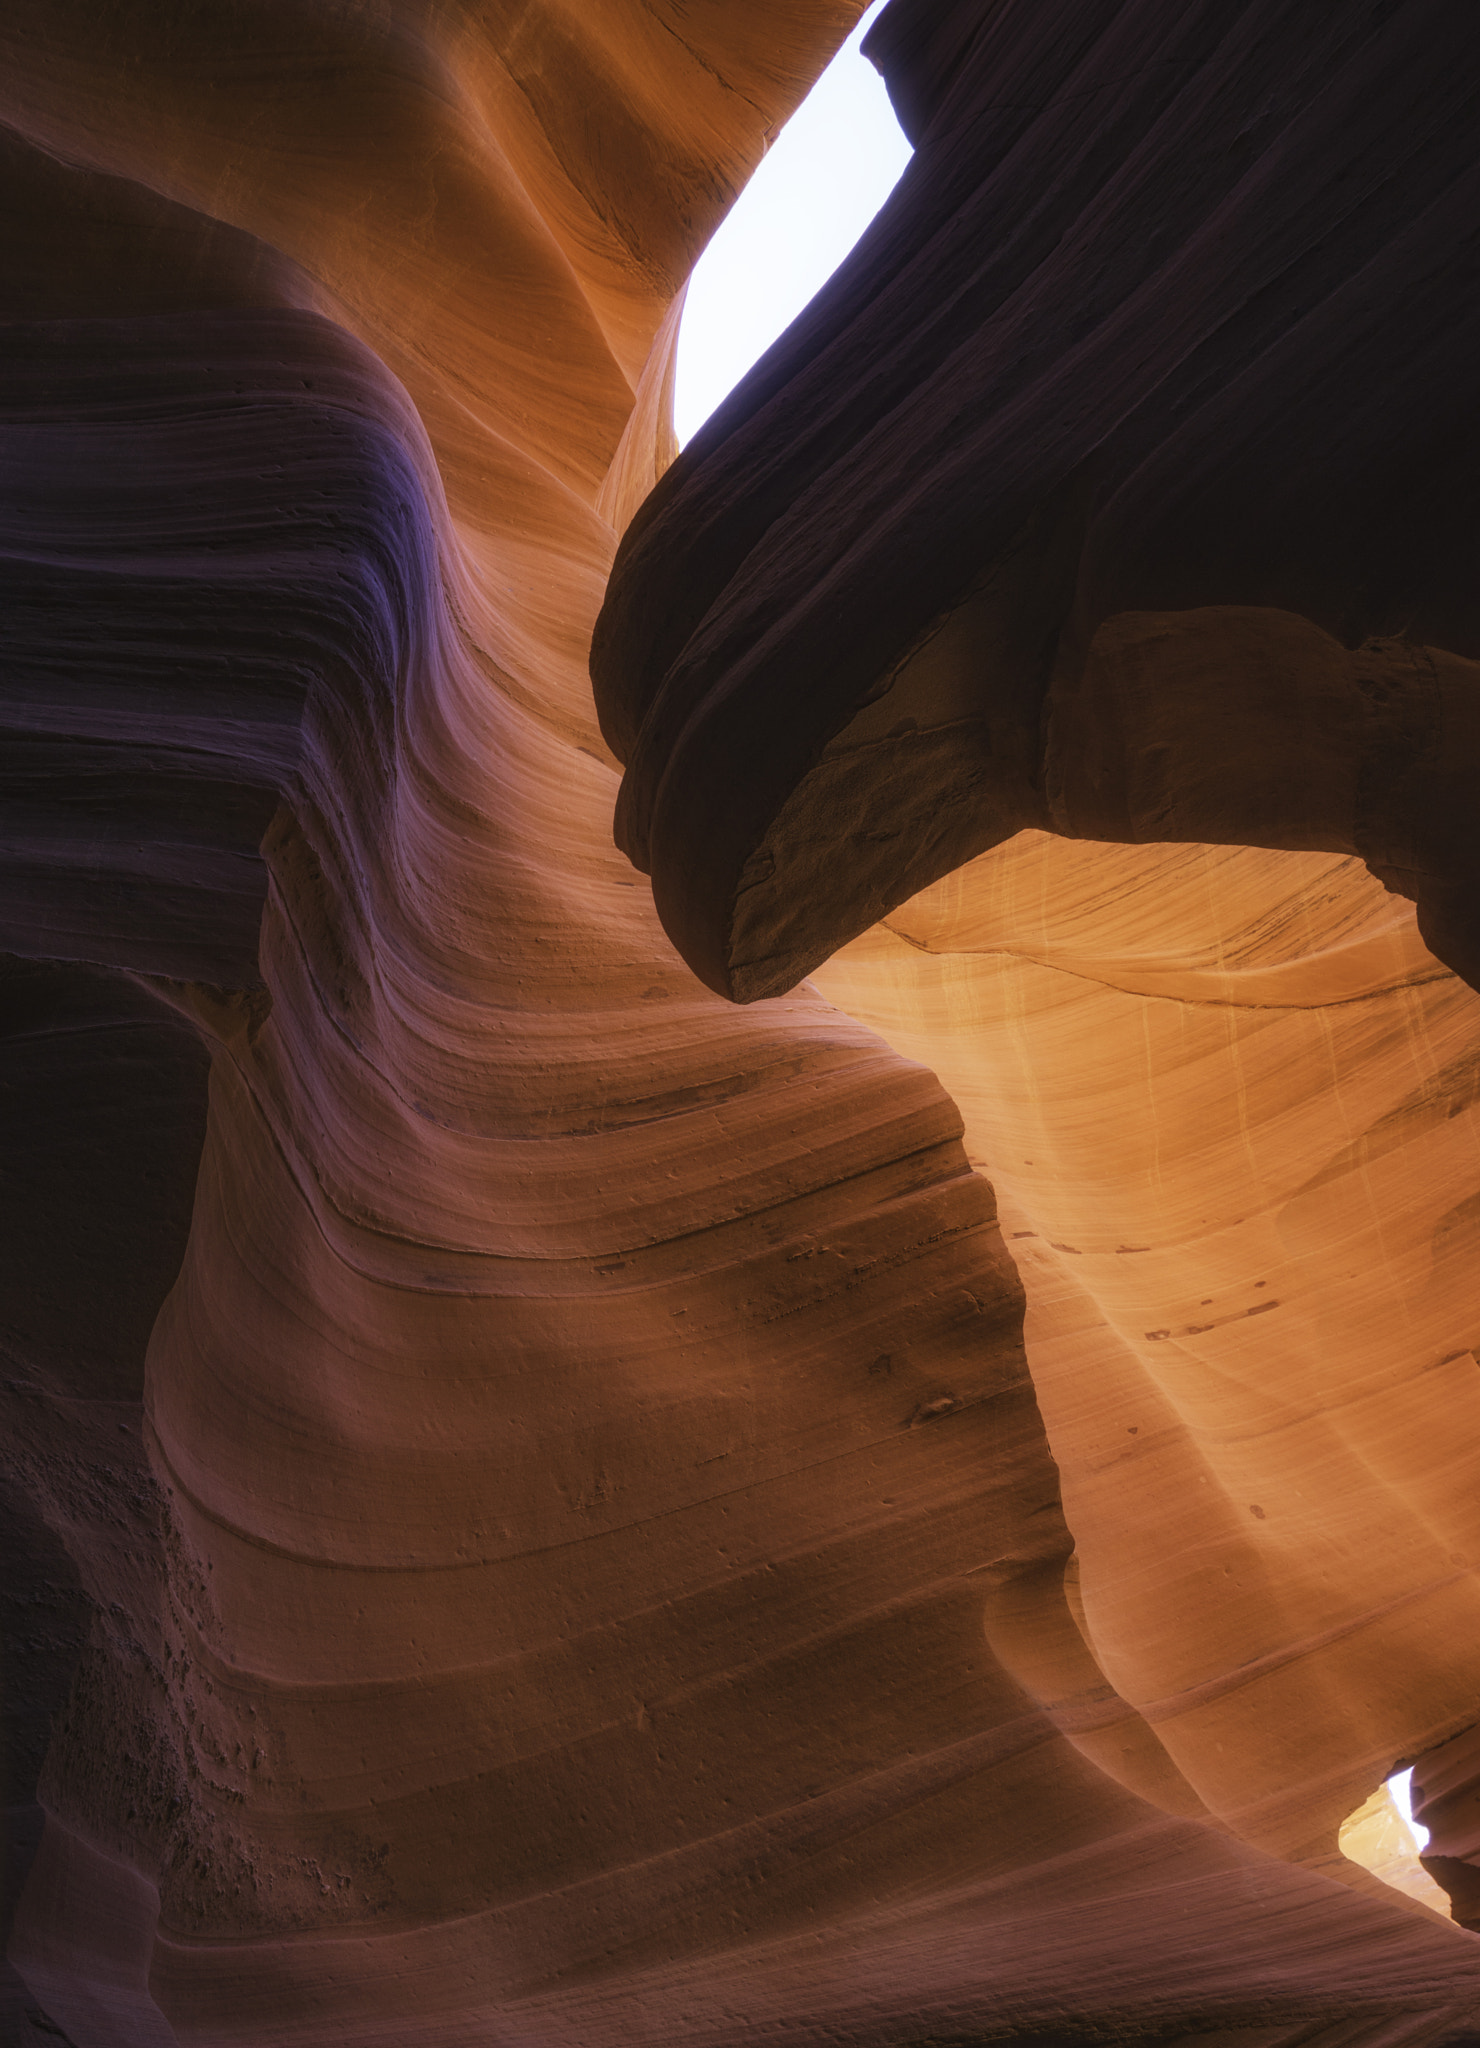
1400	1788
818	187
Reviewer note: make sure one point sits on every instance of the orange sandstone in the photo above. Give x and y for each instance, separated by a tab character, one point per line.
559	1532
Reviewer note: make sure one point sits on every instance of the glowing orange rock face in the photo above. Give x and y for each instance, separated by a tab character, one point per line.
1226	1098
594	1570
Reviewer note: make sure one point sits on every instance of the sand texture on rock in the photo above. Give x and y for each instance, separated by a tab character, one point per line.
534	1514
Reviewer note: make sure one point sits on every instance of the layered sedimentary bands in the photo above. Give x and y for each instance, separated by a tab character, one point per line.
544	1505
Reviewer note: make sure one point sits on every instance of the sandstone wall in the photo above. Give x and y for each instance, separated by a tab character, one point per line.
534	1518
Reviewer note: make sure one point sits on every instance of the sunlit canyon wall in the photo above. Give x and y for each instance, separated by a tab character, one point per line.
545	1505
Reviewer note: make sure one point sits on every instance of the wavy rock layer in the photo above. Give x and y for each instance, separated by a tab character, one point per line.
582	1561
1228	1101
1121	484
1110	491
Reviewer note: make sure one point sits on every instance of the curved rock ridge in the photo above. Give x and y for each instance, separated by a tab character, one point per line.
163	474
581	1562
1121	483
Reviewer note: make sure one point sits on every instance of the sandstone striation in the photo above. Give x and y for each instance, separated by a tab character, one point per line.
534	1513
1226	1098
1121	484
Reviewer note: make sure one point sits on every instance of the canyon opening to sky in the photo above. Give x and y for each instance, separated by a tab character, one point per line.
739	1040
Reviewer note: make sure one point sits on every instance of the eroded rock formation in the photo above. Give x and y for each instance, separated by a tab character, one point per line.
533	1516
1122	483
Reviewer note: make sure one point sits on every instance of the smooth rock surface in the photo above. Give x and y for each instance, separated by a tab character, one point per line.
1121	483
534	1518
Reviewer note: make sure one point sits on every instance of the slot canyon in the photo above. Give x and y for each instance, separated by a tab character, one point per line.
740	1190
